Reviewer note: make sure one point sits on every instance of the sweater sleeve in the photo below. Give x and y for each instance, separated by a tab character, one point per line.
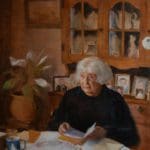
122	128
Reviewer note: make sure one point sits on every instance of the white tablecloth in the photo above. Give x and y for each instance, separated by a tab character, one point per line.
49	141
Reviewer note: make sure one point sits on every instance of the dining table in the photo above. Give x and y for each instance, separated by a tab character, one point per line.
49	140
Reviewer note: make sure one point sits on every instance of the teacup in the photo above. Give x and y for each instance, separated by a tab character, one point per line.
15	143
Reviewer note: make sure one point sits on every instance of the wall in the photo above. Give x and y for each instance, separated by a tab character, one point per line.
5	7
24	38
5	11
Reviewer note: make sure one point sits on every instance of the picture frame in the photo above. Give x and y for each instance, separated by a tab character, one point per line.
60	83
42	13
148	86
139	87
122	82
148	91
148	96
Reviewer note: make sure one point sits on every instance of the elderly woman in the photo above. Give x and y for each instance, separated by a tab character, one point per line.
93	102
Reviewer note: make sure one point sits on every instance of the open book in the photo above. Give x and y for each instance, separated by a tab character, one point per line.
75	136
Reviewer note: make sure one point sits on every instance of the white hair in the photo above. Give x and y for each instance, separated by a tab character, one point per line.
97	66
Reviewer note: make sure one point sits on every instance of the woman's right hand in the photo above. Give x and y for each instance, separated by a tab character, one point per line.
64	127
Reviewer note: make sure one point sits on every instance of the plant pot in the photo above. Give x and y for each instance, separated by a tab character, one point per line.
22	108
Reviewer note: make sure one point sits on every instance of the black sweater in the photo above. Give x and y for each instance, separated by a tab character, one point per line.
108	110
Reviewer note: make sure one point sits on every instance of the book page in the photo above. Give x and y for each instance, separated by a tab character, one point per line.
78	134
74	133
90	130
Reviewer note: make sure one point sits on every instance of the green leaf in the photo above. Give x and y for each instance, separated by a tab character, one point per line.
9	84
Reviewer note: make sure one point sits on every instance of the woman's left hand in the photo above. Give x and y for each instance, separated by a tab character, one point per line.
98	133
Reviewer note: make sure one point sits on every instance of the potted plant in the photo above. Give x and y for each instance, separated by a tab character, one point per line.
26	85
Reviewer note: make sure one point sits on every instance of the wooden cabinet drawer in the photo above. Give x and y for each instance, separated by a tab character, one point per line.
144	137
140	113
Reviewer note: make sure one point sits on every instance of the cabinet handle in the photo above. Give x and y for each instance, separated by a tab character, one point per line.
140	109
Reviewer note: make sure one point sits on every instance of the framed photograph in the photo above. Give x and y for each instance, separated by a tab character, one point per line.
60	83
122	81
148	91
42	13
148	86
148	96
139	87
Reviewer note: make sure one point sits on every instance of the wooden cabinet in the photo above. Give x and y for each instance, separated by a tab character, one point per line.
112	30
141	111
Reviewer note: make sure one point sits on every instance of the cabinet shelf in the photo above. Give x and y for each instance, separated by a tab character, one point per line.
76	29
124	30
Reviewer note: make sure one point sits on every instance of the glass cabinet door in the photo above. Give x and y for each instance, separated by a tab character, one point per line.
83	29
124	30
76	28
90	23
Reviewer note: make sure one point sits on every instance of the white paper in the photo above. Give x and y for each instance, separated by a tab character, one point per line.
78	134
90	129
74	133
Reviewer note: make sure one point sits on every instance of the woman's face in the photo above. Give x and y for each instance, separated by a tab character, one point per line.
89	84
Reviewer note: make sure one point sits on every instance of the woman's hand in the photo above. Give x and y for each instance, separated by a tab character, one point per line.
98	133
64	127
